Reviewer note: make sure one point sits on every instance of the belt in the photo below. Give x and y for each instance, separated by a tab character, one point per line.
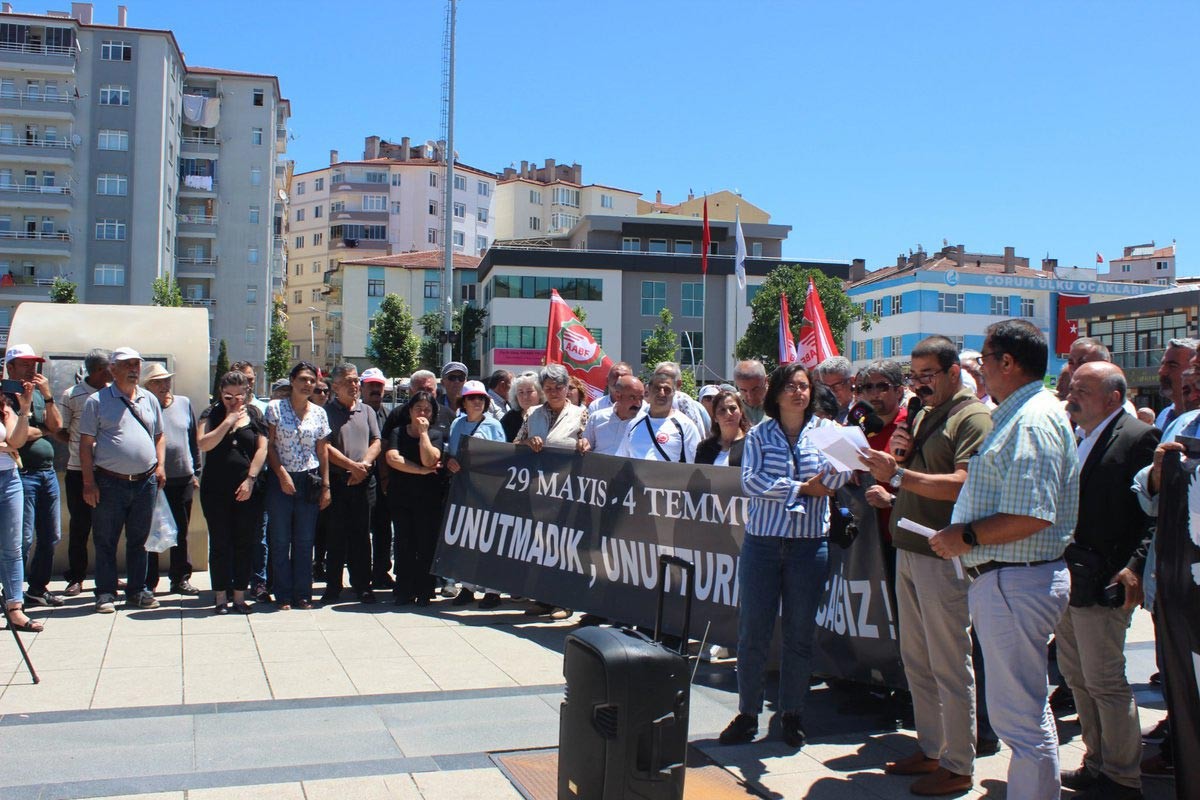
131	478
988	566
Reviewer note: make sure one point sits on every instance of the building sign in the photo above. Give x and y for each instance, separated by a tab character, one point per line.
518	356
1002	281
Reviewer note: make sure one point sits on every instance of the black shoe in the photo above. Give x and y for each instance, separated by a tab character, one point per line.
260	593
1062	701
793	734
401	599
1106	788
184	587
986	747
331	596
423	602
221	609
1077	779
43	597
490	600
383	581
741	730
1156	679
367	597
1158	733
463	597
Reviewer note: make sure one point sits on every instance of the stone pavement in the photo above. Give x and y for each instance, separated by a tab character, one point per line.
359	702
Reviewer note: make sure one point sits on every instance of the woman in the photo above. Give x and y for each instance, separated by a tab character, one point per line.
723	447
785	554
298	486
13	434
524	395
555	423
577	392
415	496
474	421
234	435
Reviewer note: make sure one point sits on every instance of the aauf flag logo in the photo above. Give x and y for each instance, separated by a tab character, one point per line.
578	346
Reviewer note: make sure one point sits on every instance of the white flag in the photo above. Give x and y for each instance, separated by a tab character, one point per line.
739	260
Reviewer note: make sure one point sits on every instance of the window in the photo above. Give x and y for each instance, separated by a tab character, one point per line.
110	229
257	96
315	296
251	255
395	179
337	177
606	201
1161	265
631	244
433	181
299	215
299	184
318	184
566	197
483	189
374	233
460	183
375	287
460	210
299	242
683	246
113	140
535	223
535	197
316	268
108	275
376	177
897	347
317	211
374	202
255	176
646	334
658	245
756	249
1126	268
561	223
999	306
530	287
107	183
116	51
529	337
1027	306
691	348
950	303
467	292
433	290
317	239
256	136
433	207
458	238
395	206
431	236
251	295
295	352
255	214
693	300
111	95
299	270
337	206
654	297
481	243
251	335
895	304
298	296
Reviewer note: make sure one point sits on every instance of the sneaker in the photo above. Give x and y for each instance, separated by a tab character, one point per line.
43	598
106	604
1158	733
73	589
560	613
143	599
741	730
184	587
1158	767
790	726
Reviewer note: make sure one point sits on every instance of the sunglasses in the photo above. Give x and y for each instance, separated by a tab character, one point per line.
882	386
455	378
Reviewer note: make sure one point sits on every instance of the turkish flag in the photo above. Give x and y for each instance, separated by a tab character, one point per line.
1068	330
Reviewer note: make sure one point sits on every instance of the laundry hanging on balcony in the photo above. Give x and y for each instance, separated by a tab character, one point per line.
203	112
198	182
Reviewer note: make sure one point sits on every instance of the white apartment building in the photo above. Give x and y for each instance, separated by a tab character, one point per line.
550	200
1143	263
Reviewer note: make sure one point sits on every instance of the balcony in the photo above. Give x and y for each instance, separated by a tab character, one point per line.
53	58
281	140
36	242
199	302
197	185
60	106
196	225
36	148
200	145
196	267
26	196
25	287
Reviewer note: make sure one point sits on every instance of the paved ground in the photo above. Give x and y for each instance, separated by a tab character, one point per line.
360	702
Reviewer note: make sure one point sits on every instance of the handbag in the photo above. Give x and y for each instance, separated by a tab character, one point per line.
1088	575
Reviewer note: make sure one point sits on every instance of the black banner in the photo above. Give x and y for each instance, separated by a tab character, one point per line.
584	532
1177	548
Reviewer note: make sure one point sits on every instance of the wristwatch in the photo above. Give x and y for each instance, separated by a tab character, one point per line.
968	535
897	478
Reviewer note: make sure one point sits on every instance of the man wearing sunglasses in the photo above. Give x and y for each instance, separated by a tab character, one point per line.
454	375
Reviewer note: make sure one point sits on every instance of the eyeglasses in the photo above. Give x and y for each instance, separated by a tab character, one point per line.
320	391
229	398
882	386
792	388
995	353
455	378
924	377
836	384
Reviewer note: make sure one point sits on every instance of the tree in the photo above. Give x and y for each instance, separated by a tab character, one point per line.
278	345
63	291
761	339
467	323
580	314
222	367
661	345
393	346
166	292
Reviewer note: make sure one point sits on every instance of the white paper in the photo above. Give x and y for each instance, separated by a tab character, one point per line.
842	445
924	530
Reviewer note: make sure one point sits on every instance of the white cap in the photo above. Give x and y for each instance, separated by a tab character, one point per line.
709	390
372	375
124	354
474	388
21	351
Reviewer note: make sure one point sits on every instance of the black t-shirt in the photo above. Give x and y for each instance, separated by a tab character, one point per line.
405	486
227	464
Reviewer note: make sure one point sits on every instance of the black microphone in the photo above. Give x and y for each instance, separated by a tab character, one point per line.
914	405
863	415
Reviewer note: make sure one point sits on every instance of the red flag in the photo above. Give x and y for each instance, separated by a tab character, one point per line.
1099	258
572	345
705	241
1068	329
787	346
816	338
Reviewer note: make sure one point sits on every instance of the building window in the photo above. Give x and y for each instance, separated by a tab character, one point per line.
254	215
999	306
315	269
251	255
1027	306
683	246
376	177
481	214
1126	268
257	97
897	347
459	238
654	297
298	296
113	140
251	335
460	183
693	300
318	184
110	184
251	295
374	202
431	236
375	287
295	352
110	229
256	136
1161	265
108	275
658	245
116	51
433	208
535	197
395	206
895	303
691	348
111	95
298	270
481	243
466	292
527	287
337	177
535	223
756	249
483	189
631	244
317	239
950	303
566	197
646	334
433	290
337	206
460	211
318	212
255	176
373	233
528	337
433	180
315	296
299	215
606	201
299	242
561	223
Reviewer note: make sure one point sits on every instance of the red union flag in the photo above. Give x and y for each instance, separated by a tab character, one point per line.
1068	329
787	346
816	339
572	345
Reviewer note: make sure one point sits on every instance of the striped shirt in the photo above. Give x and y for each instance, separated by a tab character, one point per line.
1028	466
772	472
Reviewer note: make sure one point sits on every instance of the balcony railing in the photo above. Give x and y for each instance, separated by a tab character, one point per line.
37	49
37	141
198	261
36	100
197	219
61	236
24	189
199	140
199	302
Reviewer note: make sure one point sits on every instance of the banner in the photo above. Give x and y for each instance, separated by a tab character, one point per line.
787	346
1068	329
1177	549
584	532
816	337
569	343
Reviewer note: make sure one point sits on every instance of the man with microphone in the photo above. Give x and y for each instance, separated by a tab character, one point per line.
920	479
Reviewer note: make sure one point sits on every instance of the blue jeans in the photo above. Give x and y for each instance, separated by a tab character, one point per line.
771	571
1014	611
12	510
128	506
42	521
291	529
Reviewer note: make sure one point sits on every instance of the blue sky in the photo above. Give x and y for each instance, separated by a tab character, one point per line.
869	127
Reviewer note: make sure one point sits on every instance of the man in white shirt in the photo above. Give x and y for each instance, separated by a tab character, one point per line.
615	372
684	403
606	429
662	433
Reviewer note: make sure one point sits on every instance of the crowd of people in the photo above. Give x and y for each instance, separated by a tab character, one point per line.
1037	531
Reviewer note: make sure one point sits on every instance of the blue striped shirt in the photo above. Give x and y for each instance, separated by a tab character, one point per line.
772	472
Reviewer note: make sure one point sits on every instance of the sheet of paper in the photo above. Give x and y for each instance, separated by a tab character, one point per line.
841	445
924	530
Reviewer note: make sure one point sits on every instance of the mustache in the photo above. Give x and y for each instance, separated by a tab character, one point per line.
1073	407
924	391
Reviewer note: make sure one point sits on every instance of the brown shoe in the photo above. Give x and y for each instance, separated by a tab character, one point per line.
916	764
941	782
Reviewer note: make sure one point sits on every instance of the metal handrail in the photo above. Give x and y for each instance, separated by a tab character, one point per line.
23	189
201	260
199	301
197	219
37	141
62	236
38	49
199	140
41	97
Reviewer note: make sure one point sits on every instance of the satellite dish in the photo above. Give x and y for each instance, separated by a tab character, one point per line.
76	140
283	196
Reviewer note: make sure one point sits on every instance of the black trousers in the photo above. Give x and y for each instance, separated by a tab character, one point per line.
381	536
348	537
234	531
78	530
179	492
416	540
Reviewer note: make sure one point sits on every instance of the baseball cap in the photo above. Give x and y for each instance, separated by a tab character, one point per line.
709	390
21	351
474	387
124	354
282	383
372	375
454	366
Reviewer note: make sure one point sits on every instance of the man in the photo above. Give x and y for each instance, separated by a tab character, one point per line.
259	556
42	520
1091	634
881	384
122	454
247	369
498	384
454	375
1010	525
183	476
935	639
1175	360
615	372
837	374
972	369
373	382
1086	350
661	433
750	378
606	429
1063	385
684	403
95	365
353	447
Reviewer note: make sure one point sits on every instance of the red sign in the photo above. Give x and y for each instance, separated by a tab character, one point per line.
518	356
1068	329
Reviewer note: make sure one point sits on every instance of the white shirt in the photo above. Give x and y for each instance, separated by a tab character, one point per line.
605	430
600	403
1088	442
674	433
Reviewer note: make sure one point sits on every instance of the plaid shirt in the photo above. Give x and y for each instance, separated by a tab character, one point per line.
772	472
1028	466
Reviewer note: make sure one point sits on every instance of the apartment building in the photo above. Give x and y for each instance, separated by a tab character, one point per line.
109	147
548	201
389	202
1143	263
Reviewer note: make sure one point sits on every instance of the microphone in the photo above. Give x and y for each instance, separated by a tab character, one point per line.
914	405
863	415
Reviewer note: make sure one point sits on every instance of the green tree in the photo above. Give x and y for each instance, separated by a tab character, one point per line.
393	345
278	345
63	291
166	292
761	339
222	366
467	323
580	314
661	345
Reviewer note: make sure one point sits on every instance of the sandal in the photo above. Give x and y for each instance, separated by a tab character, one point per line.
285	606
30	625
